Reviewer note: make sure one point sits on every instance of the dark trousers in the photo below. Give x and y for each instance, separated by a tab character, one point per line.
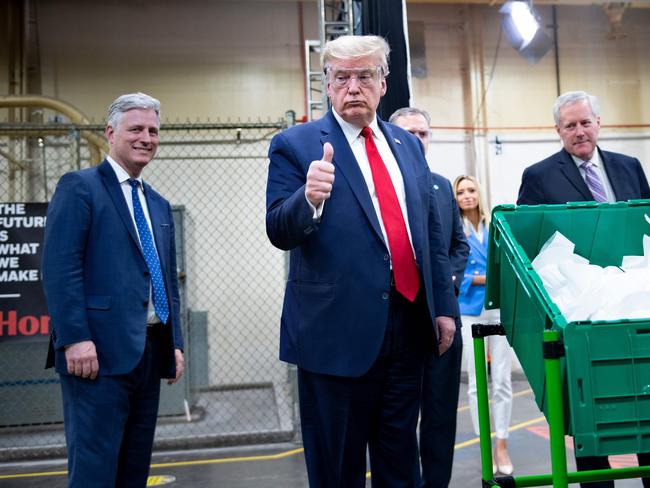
110	424
341	416
588	463
440	388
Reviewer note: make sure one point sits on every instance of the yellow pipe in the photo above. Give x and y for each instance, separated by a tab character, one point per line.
97	145
12	160
11	178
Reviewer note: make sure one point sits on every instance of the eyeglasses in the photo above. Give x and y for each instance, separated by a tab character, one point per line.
366	77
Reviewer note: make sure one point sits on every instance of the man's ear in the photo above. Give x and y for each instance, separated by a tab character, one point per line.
109	132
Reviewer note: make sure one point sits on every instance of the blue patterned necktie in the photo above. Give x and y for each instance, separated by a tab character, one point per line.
161	306
593	182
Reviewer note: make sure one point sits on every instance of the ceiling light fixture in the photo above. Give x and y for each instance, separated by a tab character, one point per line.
522	28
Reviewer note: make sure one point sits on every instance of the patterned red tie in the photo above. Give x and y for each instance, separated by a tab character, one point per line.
404	269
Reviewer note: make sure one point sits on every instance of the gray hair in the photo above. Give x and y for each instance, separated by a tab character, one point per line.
129	101
574	97
349	47
406	111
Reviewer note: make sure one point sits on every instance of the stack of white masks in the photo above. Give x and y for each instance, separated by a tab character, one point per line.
584	291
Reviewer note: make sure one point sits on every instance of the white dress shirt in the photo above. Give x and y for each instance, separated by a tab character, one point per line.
123	178
599	168
358	145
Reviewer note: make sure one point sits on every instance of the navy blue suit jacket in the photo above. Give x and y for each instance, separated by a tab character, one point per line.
95	277
557	180
452	227
336	299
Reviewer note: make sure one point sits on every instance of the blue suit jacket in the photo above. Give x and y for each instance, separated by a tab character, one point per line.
557	180
452	227
95	277
336	299
471	297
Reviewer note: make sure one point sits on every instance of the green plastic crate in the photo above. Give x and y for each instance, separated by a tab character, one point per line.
606	369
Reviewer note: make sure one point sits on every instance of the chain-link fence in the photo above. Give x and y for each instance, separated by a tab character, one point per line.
235	390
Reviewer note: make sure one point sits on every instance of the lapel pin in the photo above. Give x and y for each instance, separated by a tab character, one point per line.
397	140
435	187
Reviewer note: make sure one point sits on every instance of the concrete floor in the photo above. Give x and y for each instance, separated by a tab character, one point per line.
282	465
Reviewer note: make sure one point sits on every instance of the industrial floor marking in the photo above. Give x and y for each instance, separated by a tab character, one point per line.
160	480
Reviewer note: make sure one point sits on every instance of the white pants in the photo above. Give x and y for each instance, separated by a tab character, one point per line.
500	372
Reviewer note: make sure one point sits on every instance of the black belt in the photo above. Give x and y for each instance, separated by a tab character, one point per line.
155	329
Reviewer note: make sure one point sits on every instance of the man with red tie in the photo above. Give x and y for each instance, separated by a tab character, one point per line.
369	290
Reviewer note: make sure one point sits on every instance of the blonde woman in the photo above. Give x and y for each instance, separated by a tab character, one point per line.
476	223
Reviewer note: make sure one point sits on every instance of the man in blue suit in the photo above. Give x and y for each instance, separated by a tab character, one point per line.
441	380
568	176
109	275
369	290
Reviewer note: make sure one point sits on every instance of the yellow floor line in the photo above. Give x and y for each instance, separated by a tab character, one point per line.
527	391
269	457
512	428
266	457
32	475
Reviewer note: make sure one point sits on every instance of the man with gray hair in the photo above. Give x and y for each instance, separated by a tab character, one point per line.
441	379
109	275
581	170
416	121
369	291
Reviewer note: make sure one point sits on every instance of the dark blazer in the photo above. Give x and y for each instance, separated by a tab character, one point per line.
441	378
452	227
95	277
337	294
557	180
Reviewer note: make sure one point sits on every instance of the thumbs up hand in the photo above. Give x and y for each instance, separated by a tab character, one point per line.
320	177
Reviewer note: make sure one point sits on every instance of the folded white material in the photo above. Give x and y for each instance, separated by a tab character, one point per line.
584	291
631	262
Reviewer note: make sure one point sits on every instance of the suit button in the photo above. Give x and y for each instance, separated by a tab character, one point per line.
476	272
386	257
146	273
384	296
473	261
145	303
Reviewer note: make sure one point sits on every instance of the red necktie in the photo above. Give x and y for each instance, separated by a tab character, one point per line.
404	268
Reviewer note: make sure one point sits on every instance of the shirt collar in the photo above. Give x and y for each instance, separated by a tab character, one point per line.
352	132
595	159
121	173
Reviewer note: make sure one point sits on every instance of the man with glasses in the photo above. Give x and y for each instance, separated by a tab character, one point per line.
369	291
441	380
